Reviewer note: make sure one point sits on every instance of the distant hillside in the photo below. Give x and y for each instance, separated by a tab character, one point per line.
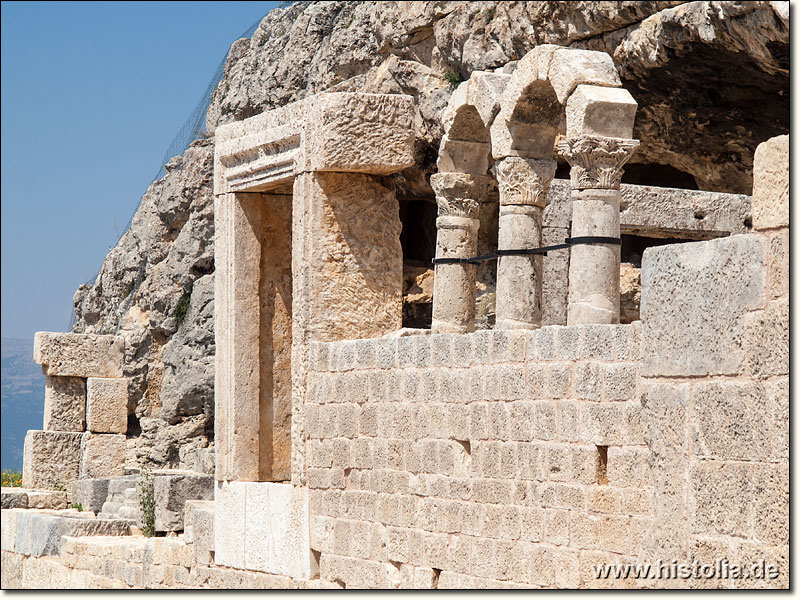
22	399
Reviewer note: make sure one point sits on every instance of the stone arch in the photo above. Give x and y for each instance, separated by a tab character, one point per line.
551	88
466	143
551	82
578	92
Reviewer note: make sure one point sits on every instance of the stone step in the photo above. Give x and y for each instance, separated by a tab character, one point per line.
37	532
11	497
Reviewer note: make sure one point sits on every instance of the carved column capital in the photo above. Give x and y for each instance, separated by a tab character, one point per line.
596	161
524	181
458	194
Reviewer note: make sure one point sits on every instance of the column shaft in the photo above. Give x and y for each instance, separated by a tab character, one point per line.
458	197
454	284
594	268
519	278
523	185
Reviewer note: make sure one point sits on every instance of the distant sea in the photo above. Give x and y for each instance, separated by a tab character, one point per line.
22	399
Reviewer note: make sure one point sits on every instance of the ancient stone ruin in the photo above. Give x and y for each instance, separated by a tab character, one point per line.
350	451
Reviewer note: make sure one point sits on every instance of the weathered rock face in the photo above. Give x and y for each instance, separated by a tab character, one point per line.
156	286
710	78
696	69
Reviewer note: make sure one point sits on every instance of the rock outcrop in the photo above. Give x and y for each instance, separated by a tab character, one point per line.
711	80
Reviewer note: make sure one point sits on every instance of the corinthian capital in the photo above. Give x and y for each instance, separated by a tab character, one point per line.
458	194
596	161
524	181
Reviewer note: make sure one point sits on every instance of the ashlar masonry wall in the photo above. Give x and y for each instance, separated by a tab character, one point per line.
498	458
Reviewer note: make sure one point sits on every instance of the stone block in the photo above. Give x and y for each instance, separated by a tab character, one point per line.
602	423
721	493
229	524
771	503
102	455
461	156
51	458
602	111
91	494
766	339
344	132
64	403
266	526
570	68
735	420
40	533
13	497
615	533
705	289
79	354
619	382
172	493
107	405
664	414
771	184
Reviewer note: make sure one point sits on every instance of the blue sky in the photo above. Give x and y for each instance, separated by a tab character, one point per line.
92	95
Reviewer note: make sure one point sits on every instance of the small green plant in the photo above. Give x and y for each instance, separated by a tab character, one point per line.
490	15
453	78
11	478
77	506
147	503
182	308
59	488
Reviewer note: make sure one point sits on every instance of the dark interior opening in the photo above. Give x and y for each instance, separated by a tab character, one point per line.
208	429
562	170
418	236
418	240
134	427
602	465
633	246
658	175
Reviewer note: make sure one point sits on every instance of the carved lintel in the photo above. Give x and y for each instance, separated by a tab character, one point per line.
596	161
458	194
524	181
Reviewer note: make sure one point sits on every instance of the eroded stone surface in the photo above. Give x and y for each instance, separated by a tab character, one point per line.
705	289
263	527
771	184
172	493
79	355
107	404
51	458
604	111
27	498
91	494
102	455
64	403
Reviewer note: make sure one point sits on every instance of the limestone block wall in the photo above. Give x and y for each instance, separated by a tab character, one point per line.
715	387
498	458
85	410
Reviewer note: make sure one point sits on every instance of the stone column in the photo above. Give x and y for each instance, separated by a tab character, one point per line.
523	185
594	268
458	197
